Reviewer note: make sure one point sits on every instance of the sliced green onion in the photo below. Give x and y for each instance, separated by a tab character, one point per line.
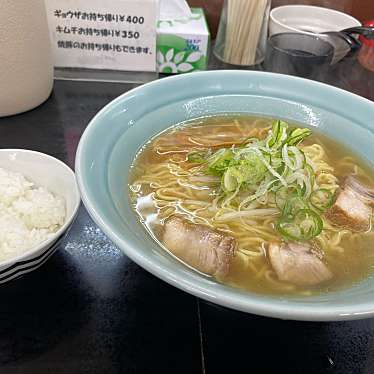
292	157
278	134
305	225
220	161
264	187
247	167
302	180
310	223
298	135
230	180
276	161
282	194
298	156
288	229
275	164
275	133
322	199
252	168
270	168
293	204
196	157
304	157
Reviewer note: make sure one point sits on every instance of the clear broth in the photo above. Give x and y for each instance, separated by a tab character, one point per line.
351	261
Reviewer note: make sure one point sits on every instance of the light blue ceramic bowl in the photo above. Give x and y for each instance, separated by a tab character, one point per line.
113	137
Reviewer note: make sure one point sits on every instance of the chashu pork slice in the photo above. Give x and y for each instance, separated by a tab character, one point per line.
297	264
352	208
207	250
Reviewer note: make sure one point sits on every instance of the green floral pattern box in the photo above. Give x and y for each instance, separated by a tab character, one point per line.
182	44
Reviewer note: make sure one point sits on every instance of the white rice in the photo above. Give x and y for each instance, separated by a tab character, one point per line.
29	215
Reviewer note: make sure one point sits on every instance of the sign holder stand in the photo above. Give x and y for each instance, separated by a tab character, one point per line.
112	41
97	75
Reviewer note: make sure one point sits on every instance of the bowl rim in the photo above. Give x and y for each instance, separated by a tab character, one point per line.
248	304
273	14
68	220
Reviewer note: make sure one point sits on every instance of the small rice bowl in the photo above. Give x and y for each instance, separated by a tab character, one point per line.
29	214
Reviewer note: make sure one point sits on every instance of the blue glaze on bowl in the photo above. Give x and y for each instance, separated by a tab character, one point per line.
114	136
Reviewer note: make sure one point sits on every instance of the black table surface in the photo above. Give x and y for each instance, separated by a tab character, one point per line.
90	309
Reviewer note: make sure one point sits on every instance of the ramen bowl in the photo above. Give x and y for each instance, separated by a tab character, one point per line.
121	128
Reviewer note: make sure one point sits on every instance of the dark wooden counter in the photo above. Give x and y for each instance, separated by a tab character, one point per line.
90	309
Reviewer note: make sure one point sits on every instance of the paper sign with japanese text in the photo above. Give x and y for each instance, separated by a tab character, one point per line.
110	34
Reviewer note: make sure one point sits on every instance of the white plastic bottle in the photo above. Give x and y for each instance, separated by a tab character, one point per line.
26	65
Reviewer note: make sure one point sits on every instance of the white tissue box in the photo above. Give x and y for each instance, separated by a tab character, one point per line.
182	44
